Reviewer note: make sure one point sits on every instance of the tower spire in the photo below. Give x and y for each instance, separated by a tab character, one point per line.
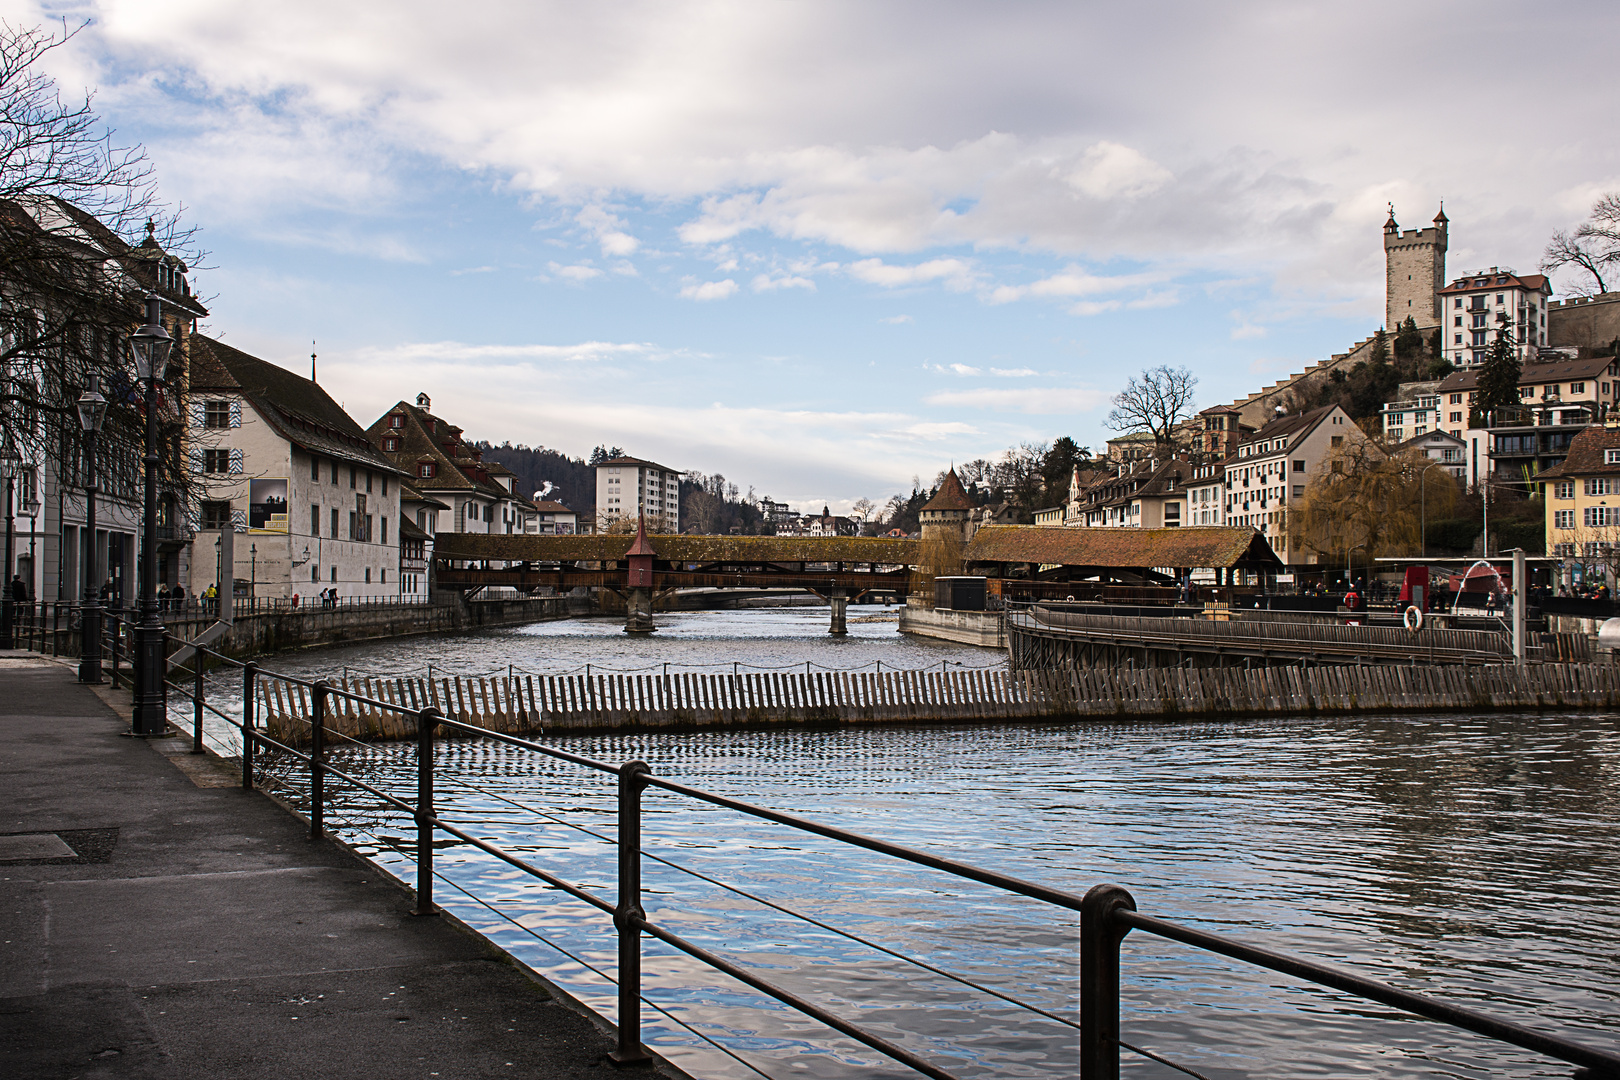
312	377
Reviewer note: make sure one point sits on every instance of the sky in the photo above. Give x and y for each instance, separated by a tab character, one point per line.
823	247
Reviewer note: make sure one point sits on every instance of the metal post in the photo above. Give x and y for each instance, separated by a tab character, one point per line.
90	615
1100	936
426	720
151	696
6	603
197	703
1518	605
630	1051
317	763
117	626
249	672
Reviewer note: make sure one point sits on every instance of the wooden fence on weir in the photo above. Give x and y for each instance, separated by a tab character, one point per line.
527	704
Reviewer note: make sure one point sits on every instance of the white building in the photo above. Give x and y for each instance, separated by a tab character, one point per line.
1206	495
311	502
1444	447
1270	471
1474	305
552	518
431	451
627	486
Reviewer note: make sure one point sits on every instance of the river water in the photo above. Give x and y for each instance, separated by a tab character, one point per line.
1469	857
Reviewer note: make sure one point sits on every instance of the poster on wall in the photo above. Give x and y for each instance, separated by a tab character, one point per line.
267	505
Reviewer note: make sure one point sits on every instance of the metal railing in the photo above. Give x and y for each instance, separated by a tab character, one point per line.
1107	912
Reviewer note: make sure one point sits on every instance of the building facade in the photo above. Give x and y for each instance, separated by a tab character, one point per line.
440	464
628	487
1271	470
1475	305
310	502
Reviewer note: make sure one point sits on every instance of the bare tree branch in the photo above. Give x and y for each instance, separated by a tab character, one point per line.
1155	402
1593	248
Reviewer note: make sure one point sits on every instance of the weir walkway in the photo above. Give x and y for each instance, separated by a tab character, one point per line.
159	921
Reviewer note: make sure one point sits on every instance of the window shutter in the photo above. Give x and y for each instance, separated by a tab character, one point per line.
196	460
239	520
236	455
236	414
199	413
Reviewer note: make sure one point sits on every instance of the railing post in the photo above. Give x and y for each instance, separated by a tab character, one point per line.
630	1051
426	720
197	702
1100	936
317	763
113	624
249	673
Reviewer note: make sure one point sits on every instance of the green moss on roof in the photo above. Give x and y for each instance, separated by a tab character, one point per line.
698	549
1189	546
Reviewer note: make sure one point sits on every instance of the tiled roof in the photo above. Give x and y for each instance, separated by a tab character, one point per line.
1532	374
409	530
299	410
1297	423
425	437
1200	547
1586	454
407	493
950	495
1496	279
551	506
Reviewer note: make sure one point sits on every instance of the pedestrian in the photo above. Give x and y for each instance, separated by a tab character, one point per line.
177	596
19	590
163	597
294	599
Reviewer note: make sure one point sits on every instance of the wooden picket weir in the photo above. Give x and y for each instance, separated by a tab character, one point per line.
527	704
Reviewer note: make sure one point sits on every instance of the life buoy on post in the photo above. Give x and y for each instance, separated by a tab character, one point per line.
1413	619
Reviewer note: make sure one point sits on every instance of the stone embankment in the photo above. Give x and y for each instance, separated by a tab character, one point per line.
577	703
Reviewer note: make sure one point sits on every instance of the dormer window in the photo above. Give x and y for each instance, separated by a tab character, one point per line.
397	420
390	444
426	469
1611	457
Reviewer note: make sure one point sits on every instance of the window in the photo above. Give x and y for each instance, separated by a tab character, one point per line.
216	515
217	414
368	479
489	513
216	461
425	469
385	485
396	421
1564	489
385	530
1527	391
1600	517
314	573
1478	338
352	476
1456	339
1478	320
334	569
1499	298
314	521
368	575
390	444
1338	440
334	474
334	532
1456	418
1299	491
384	573
1600	486
1457	302
1611	457
314	467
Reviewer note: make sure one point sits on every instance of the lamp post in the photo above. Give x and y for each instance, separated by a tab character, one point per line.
1423	506
149	347
9	464
92	411
253	574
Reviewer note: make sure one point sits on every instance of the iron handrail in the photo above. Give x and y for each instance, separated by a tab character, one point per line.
1108	912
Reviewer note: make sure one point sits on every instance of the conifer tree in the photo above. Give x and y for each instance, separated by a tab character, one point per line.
1498	386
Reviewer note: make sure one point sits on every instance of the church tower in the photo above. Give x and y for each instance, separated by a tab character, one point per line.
1414	272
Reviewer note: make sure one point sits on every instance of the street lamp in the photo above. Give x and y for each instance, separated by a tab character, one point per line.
149	347
10	463
1423	505
92	411
253	573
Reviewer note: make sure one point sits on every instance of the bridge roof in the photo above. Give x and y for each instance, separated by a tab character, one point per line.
696	549
1199	547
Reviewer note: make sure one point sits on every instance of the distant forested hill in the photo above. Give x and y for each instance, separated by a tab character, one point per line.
573	481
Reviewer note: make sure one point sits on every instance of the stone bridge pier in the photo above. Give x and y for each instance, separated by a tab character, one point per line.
839	599
638	609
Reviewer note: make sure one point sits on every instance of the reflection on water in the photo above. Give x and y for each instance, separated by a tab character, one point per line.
1469	857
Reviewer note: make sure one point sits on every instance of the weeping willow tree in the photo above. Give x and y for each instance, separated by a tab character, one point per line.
1364	498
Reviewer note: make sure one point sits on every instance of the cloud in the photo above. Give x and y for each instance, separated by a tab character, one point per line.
897	319
1014	373
767	283
709	290
473	270
1044	401
1109	170
1073	281
1245	331
608	230
957	274
576	273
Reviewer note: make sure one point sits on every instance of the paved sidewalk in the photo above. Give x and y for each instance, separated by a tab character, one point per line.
159	921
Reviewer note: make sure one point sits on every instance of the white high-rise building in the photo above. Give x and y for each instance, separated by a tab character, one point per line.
627	486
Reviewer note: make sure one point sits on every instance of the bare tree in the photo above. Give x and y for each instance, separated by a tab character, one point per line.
72	281
1592	248
1155	402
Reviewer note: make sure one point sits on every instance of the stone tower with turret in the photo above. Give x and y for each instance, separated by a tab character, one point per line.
1414	272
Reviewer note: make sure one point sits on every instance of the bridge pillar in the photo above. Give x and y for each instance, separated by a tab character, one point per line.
840	608
638	605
